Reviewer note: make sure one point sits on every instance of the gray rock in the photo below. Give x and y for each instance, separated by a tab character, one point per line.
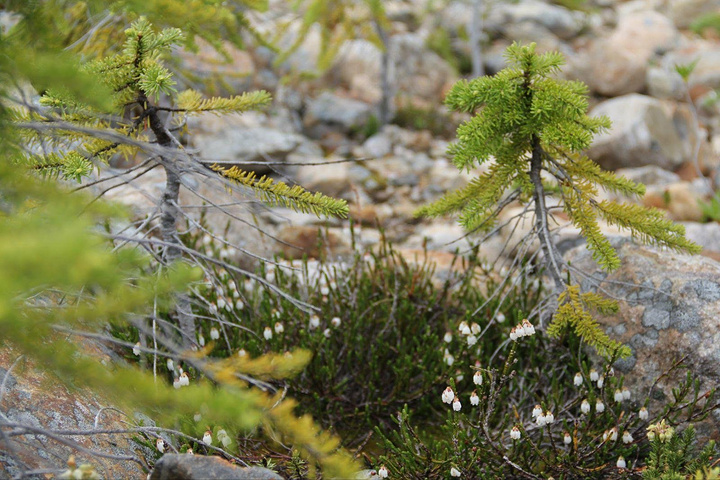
684	12
196	467
705	77
344	114
419	72
650	175
665	84
707	235
562	22
672	311
231	144
644	131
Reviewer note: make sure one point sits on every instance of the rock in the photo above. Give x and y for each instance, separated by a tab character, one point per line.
644	131
231	75
331	110
684	12
669	307
229	141
303	240
34	398
617	64
357	68
650	175
707	235
376	146
680	199
562	22
705	77
420	73
195	467
665	84
333	179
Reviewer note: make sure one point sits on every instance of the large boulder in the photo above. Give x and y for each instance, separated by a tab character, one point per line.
331	111
230	140
685	12
562	22
669	308
196	467
617	64
645	131
35	399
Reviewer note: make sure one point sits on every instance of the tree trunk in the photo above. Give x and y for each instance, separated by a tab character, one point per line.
541	217
476	29
168	228
387	107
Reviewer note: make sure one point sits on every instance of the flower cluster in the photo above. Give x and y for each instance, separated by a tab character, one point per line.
523	329
661	430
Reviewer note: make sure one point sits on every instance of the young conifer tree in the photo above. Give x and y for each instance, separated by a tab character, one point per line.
529	127
139	80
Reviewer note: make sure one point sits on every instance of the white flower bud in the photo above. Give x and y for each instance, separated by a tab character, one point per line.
475	328
599	406
643	414
537	411
448	395
621	462
449	359
176	383
625	394
515	433
382	472
513	334
594	375
279	328
324	290
500	317
465	330
578	380
206	240
541	420
567	439
447	337
335	322
184	379
239	305
201	340
170	364
136	349
528	328
478	378
242	352
618	396
314	322
214	333
613	434
471	340
221	304
456	404
585	406
454	472
600	381
627	437
189	451
267	333
327	333
160	445
212	308
549	417
474	399
463	325
207	438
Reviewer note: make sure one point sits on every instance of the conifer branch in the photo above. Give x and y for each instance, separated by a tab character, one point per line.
278	193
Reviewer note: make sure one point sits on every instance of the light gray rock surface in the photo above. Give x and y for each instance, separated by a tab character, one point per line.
645	131
670	308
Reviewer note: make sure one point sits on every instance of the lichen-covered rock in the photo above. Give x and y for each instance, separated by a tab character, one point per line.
196	467
669	308
35	399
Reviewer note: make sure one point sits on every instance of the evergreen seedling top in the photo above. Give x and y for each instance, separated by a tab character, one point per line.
525	123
